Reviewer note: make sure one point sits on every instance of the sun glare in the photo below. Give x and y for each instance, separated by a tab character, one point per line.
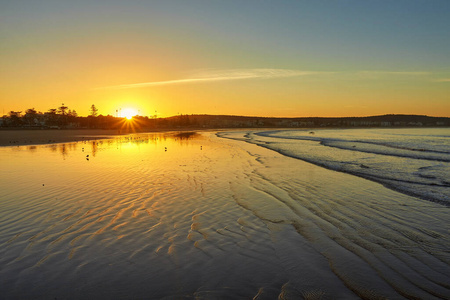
128	113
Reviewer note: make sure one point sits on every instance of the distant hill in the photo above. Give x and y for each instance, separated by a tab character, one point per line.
226	121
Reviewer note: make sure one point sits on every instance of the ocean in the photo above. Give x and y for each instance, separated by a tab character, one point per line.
253	214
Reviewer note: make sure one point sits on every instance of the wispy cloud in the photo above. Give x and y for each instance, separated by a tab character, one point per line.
213	75
222	75
402	73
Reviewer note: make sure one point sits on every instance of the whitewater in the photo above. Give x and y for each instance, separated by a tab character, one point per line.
412	161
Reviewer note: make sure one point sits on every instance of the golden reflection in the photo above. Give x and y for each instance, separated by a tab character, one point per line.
94	145
90	148
186	135
63	150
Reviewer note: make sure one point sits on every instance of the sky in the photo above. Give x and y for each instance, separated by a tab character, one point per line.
284	58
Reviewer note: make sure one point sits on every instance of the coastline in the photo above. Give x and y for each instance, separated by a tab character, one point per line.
29	137
364	163
24	137
34	137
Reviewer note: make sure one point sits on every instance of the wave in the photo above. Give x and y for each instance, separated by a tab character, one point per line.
413	163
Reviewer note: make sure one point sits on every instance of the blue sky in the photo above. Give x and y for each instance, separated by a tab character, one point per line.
70	50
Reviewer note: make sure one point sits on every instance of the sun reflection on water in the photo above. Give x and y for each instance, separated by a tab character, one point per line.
160	141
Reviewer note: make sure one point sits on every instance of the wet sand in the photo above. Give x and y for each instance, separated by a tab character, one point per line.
22	137
48	136
158	217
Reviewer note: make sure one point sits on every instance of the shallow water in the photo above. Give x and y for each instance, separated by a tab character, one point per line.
164	217
415	161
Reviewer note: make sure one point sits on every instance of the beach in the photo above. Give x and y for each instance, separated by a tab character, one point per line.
197	216
20	137
47	136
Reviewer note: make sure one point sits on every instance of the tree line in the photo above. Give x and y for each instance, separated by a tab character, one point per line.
65	118
61	117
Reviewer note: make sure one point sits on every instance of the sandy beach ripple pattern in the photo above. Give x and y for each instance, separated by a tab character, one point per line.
202	217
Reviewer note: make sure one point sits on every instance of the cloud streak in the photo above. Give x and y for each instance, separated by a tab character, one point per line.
400	73
206	76
222	75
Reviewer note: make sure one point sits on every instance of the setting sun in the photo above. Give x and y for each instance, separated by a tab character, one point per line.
128	113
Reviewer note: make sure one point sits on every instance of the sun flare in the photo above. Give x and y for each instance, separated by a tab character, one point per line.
128	113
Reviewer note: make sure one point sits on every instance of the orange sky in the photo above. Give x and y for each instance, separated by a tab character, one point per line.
258	59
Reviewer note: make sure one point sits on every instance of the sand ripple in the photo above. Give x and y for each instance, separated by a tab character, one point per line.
227	220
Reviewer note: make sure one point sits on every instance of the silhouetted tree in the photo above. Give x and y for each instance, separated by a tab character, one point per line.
51	118
62	109
93	110
62	118
72	118
14	117
72	113
30	116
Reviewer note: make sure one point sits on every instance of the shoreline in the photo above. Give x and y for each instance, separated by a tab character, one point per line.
17	138
30	137
400	185
14	137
